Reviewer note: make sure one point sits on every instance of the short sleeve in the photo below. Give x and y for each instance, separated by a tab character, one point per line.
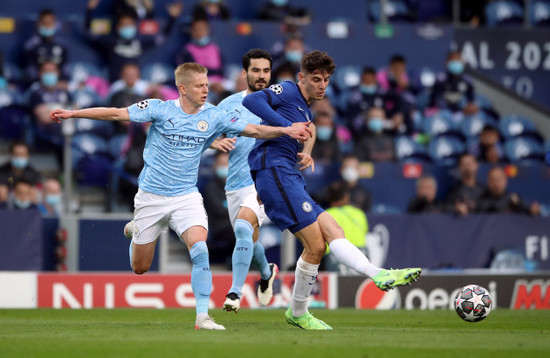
145	111
231	123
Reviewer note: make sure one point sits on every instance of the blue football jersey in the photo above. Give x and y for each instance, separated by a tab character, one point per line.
239	170
279	105
176	141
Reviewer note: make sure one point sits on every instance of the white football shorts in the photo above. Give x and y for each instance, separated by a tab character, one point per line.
153	214
247	197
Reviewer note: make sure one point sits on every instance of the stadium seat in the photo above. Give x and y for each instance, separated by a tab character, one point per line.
445	149
514	125
86	144
439	123
524	150
117	143
385	209
395	10
539	13
503	12
12	72
8	97
103	129
15	122
81	71
85	97
409	151
471	126
158	73
93	170
346	77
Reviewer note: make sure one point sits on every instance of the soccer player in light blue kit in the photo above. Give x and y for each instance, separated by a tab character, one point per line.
245	212
281	188
167	196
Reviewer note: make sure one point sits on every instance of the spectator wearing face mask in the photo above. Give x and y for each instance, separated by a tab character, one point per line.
22	196
125	44
454	88
294	49
44	46
220	233
375	144
18	168
202	50
368	95
360	196
327	143
51	198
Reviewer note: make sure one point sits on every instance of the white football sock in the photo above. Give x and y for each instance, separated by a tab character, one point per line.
305	277
348	254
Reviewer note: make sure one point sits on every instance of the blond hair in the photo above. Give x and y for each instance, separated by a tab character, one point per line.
184	70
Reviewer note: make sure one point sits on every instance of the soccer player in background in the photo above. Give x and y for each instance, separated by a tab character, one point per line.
180	131
281	188
245	212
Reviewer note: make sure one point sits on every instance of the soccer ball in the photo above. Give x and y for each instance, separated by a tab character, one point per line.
473	303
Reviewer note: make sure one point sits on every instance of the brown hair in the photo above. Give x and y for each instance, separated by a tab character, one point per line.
317	60
183	71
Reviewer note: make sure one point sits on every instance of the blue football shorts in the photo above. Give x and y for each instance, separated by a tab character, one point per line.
286	201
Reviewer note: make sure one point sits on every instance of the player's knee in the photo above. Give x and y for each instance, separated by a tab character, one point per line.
317	251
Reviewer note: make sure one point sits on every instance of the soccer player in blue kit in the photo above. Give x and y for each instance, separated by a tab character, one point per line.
245	212
281	188
180	131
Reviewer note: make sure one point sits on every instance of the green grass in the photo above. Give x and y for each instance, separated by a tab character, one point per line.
264	333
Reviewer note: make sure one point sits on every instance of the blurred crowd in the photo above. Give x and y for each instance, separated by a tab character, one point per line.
389	114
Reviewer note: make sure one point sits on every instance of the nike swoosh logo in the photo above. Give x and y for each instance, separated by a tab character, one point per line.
300	108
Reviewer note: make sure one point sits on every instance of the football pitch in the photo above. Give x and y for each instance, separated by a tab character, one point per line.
264	333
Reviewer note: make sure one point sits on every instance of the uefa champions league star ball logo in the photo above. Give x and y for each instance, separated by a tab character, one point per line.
202	126
277	89
143	104
306	207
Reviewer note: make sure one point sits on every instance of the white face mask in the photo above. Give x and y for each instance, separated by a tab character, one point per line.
350	175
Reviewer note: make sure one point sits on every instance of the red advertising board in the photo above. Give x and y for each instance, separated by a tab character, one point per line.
155	291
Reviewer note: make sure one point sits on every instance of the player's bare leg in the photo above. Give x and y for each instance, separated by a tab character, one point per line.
348	254
142	256
307	268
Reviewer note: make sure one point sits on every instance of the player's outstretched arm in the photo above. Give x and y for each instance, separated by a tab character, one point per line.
99	113
258	103
298	131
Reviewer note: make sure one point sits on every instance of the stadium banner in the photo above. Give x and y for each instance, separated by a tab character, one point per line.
447	241
437	291
21	240
518	59
163	291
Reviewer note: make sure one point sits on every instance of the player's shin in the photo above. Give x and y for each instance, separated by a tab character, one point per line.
305	277
201	276
242	254
348	254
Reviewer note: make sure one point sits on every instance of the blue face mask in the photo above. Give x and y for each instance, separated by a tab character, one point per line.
46	31
221	172
279	2
127	32
21	204
3	83
455	67
53	199
376	125
203	41
367	89
293	56
49	79
324	132
19	162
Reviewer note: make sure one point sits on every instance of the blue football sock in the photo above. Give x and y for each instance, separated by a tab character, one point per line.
130	252
260	260
242	254
201	276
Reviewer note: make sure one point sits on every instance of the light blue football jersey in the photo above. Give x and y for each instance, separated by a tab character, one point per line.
176	141
239	170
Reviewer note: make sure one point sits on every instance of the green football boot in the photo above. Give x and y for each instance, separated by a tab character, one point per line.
306	321
388	279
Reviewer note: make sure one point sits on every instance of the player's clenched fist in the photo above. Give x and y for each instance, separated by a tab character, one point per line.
58	114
